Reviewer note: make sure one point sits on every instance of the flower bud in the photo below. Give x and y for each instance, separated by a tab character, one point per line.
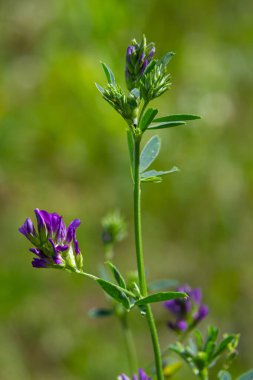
113	228
138	57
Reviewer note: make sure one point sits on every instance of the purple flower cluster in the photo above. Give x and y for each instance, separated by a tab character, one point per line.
138	57
187	312
55	245
141	376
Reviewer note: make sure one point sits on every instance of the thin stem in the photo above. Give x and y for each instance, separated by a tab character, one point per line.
143	109
204	374
140	258
130	345
95	278
137	218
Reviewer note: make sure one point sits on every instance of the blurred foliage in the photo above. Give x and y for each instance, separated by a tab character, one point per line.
63	149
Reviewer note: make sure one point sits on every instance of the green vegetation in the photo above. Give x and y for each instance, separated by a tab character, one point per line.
61	150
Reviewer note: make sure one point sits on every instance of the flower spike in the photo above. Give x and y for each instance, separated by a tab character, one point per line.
55	245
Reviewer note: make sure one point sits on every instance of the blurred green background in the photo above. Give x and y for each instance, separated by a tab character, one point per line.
63	148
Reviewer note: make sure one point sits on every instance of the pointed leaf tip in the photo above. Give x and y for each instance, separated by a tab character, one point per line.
160	297
150	175
108	73
165	125
117	275
177	117
100	88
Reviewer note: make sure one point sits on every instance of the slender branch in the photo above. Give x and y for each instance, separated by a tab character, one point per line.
95	278
204	374
130	345
137	218
142	111
140	258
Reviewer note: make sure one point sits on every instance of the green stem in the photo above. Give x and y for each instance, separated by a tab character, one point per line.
95	278
130	345
140	258
204	374
142	110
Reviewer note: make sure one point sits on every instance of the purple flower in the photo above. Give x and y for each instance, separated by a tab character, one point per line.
55	245
141	376
187	312
138	56
28	230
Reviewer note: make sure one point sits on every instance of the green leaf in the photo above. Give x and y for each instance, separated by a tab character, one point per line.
109	74
114	292
155	173
199	340
246	376
210	348
177	347
117	275
212	334
165	59
152	179
147	118
100	89
172	121
177	118
168	124
224	375
150	66
223	345
100	312
149	153
160	297
162	284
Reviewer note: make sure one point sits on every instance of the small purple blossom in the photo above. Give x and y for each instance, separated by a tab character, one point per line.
28	230
187	312
130	52
141	376
55	245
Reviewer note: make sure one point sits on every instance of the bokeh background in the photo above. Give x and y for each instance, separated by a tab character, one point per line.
62	148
